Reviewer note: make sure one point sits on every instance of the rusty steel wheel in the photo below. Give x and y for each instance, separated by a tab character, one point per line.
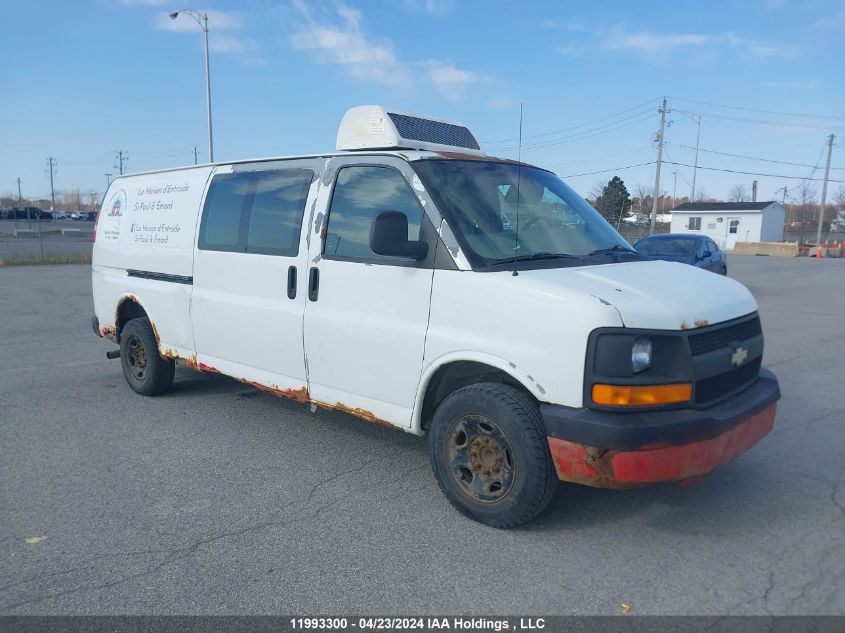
145	371
136	358
481	458
490	454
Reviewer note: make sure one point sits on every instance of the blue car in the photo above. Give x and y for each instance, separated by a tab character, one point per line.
695	250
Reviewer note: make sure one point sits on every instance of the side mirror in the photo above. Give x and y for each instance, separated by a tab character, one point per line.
389	237
706	254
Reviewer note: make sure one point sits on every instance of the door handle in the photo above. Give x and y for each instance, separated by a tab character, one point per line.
314	283
292	282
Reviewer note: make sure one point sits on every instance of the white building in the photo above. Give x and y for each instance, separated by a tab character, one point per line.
727	223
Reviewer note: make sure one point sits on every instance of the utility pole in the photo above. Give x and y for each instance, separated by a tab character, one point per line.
785	189
20	197
753	191
121	158
695	167
657	172
51	165
195	155
824	188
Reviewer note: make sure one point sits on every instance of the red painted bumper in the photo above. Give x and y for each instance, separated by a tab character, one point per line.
622	469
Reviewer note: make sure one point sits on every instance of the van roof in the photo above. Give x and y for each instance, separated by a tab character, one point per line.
407	154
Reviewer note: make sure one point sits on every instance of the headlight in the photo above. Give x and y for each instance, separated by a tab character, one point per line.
641	354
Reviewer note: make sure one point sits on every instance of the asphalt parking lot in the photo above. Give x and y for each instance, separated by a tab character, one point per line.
219	499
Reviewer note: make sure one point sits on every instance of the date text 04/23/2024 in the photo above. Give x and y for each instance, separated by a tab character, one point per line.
420	624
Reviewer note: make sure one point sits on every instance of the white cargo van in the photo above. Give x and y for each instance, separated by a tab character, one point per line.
411	280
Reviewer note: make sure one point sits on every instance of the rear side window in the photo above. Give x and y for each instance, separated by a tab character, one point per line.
360	194
255	212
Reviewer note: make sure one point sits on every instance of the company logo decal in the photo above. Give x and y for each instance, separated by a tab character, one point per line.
115	209
739	356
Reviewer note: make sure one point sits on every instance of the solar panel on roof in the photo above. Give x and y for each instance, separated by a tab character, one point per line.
428	131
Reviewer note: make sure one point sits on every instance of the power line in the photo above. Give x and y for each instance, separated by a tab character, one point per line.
605	171
818	162
583	135
765	160
751	173
590	160
684	178
575	127
730	107
810	126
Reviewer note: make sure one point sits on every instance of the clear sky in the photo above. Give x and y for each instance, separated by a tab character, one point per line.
83	78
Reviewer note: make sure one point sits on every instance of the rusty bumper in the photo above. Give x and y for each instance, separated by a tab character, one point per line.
627	450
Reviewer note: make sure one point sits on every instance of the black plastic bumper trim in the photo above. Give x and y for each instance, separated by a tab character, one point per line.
629	430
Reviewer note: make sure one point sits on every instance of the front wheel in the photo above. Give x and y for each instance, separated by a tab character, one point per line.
490	455
146	372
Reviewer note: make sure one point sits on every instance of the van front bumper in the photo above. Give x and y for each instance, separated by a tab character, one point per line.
627	449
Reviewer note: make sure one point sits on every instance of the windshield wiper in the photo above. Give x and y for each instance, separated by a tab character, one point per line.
616	248
536	256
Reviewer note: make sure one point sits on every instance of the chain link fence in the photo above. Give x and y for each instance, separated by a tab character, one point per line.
45	241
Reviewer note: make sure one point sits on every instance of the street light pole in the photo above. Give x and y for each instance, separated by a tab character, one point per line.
695	168
675	189
202	20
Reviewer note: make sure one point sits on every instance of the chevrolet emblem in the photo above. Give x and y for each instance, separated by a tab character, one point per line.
739	356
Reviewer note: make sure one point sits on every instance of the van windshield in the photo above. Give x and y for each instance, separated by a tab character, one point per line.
503	212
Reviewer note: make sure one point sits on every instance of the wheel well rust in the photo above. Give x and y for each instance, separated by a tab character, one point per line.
452	376
127	309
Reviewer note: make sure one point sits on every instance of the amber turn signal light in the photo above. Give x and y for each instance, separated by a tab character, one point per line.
638	396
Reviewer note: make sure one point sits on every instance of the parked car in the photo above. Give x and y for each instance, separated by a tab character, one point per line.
410	280
31	213
695	250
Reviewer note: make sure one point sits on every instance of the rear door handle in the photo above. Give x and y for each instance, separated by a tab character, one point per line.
314	283
292	282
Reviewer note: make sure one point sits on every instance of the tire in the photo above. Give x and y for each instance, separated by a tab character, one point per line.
490	455
145	371
725	271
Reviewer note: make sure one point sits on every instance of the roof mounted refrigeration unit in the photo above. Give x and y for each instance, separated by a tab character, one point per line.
374	127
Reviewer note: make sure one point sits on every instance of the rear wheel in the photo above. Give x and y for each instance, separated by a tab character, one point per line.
724	271
490	455
145	371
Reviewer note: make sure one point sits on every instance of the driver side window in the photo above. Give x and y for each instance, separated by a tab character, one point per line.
360	194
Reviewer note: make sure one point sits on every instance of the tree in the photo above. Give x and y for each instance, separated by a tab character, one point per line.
595	192
804	206
614	201
643	198
839	218
701	195
839	197
738	193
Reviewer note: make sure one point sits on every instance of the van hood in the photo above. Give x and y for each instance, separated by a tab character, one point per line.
654	294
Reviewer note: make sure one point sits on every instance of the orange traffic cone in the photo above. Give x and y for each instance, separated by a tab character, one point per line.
819	252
